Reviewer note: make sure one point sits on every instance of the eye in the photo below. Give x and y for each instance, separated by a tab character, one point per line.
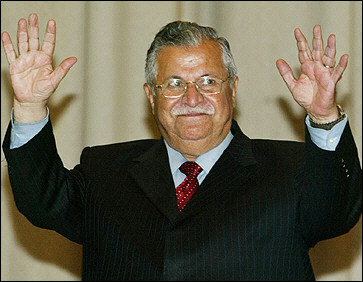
208	81
175	83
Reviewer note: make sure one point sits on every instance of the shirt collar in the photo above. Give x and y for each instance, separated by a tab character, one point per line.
206	161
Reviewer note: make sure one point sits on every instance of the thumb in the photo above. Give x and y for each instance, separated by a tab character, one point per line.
286	73
60	72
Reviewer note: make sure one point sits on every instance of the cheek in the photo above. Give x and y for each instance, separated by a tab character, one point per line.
223	105
162	109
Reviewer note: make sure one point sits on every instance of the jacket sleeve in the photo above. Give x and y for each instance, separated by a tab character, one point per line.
45	192
331	193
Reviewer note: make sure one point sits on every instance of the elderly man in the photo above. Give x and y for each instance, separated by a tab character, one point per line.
205	202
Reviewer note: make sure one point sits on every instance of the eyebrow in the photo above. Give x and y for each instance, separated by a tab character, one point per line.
175	76
178	77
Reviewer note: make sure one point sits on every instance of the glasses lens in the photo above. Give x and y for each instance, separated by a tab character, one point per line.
209	85
173	87
206	85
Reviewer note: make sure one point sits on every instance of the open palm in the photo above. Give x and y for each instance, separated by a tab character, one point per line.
314	89
32	75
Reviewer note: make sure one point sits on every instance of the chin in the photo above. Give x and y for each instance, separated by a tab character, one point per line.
193	136
194	128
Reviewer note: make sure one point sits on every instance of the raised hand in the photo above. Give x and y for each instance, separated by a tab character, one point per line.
314	90
32	75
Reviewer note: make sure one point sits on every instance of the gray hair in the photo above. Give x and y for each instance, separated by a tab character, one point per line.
181	33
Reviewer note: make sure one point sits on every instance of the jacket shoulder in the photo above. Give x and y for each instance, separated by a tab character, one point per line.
124	150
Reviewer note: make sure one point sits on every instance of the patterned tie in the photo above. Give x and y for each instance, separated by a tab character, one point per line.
186	190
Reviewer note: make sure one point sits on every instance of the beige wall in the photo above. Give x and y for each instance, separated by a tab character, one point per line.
102	100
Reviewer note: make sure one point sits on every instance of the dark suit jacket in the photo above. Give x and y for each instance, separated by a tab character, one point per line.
254	217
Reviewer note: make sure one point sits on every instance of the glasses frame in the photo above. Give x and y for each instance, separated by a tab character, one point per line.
160	86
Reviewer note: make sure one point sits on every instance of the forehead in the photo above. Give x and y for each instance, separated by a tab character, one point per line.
183	61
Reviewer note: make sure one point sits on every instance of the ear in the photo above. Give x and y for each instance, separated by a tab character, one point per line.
234	91
149	95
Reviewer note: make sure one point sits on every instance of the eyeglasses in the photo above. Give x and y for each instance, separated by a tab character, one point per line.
177	87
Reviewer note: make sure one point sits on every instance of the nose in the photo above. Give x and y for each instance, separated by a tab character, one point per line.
192	97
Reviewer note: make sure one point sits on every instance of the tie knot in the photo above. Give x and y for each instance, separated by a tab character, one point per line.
190	169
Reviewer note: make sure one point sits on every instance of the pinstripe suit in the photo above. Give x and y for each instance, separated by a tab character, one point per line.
254	217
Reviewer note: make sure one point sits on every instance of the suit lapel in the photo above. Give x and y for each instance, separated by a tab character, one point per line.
153	175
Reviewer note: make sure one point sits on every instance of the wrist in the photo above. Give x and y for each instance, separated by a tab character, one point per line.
29	112
328	116
328	123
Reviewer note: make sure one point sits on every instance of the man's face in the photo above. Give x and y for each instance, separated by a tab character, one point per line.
182	121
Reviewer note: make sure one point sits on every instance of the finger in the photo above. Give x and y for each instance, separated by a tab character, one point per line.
49	38
303	47
33	32
330	51
340	68
317	43
286	73
22	37
8	47
60	72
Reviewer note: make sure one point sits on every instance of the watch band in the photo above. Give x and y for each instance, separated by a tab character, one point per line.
329	125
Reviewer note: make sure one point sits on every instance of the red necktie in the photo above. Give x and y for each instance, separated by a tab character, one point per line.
186	190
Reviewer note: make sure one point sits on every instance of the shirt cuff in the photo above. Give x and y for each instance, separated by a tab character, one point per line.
21	133
326	139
